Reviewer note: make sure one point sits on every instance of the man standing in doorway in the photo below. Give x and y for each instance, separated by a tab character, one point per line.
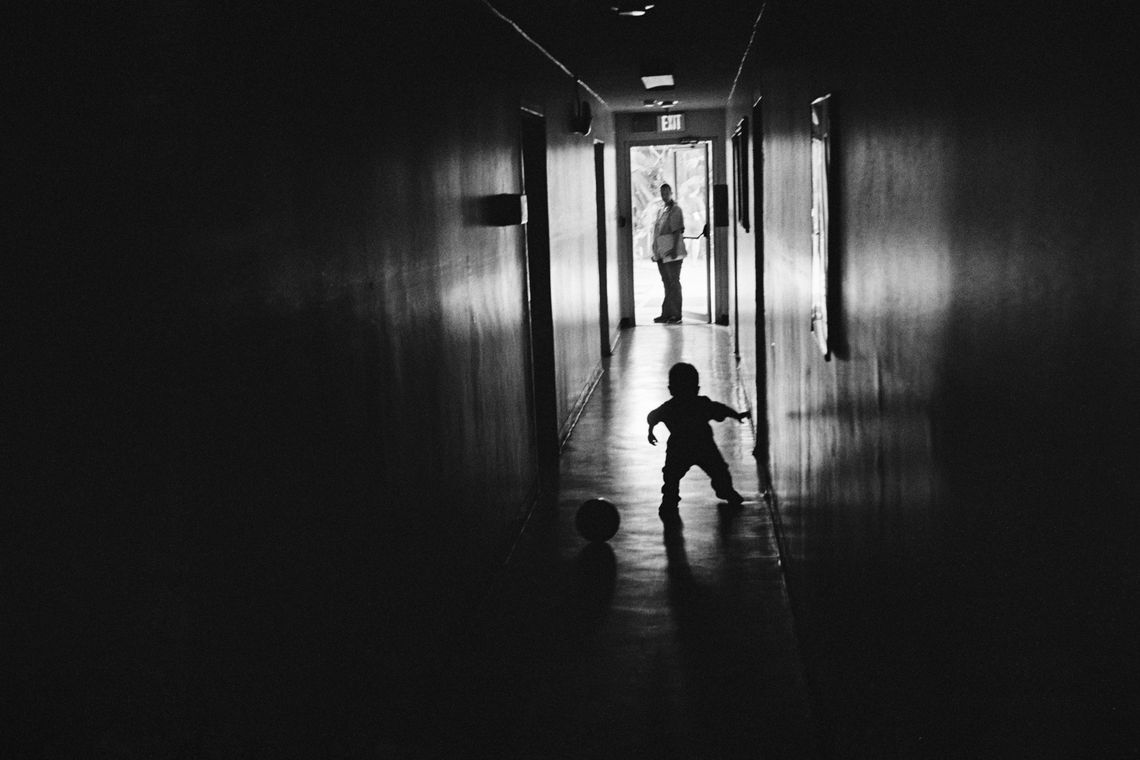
668	252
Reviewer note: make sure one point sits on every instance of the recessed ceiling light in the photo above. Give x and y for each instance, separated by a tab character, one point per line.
659	103
632	9
657	81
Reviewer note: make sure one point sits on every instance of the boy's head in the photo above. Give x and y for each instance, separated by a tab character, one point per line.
684	380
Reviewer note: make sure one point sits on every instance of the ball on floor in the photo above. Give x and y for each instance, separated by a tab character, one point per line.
597	520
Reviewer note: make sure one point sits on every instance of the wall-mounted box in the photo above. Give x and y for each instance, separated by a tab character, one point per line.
720	205
505	210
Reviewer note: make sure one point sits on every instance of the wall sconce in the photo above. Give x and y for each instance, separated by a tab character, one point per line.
581	119
504	210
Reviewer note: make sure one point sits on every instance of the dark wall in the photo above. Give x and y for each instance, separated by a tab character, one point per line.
273	424
952	484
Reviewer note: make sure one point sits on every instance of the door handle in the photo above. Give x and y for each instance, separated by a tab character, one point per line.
704	233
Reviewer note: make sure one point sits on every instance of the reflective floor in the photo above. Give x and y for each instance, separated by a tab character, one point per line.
648	291
656	644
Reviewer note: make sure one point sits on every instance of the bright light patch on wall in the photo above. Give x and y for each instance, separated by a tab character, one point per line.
657	81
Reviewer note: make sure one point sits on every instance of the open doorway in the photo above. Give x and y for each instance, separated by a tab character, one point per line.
688	169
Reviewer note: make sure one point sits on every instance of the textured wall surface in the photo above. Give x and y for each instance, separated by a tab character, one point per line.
275	411
573	263
950	485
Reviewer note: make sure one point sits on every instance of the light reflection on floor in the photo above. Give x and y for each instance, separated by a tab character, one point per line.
647	290
655	644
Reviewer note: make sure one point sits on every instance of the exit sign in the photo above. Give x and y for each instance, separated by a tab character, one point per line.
671	122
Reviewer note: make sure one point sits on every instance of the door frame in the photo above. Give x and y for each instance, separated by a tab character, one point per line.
720	251
603	246
629	307
539	310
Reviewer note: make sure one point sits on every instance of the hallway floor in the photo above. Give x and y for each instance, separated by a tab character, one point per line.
655	644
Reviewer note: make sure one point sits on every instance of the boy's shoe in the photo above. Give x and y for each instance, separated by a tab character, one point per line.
673	321
660	319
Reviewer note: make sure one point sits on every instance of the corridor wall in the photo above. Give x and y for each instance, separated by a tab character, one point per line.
275	417
950	484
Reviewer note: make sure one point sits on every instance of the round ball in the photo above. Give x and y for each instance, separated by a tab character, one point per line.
597	520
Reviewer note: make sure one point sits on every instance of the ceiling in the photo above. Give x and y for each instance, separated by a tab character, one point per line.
703	42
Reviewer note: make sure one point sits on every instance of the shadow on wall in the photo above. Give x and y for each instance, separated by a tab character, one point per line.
1030	433
965	567
265	565
262	467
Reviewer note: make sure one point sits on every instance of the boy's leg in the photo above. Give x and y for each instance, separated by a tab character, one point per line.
713	464
672	473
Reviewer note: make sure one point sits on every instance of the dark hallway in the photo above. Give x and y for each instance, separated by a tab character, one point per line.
295	342
659	643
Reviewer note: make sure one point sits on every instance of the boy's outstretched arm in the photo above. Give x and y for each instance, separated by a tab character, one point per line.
723	412
653	419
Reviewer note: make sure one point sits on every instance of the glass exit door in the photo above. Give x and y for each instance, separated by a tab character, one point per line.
685	167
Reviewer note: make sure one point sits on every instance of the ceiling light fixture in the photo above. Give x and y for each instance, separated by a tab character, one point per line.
658	81
631	9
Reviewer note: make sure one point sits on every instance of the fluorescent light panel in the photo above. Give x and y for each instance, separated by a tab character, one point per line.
634	9
657	81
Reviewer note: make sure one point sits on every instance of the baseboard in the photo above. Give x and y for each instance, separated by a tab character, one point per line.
580	405
615	339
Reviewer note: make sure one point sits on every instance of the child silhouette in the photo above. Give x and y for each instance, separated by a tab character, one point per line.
687	416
